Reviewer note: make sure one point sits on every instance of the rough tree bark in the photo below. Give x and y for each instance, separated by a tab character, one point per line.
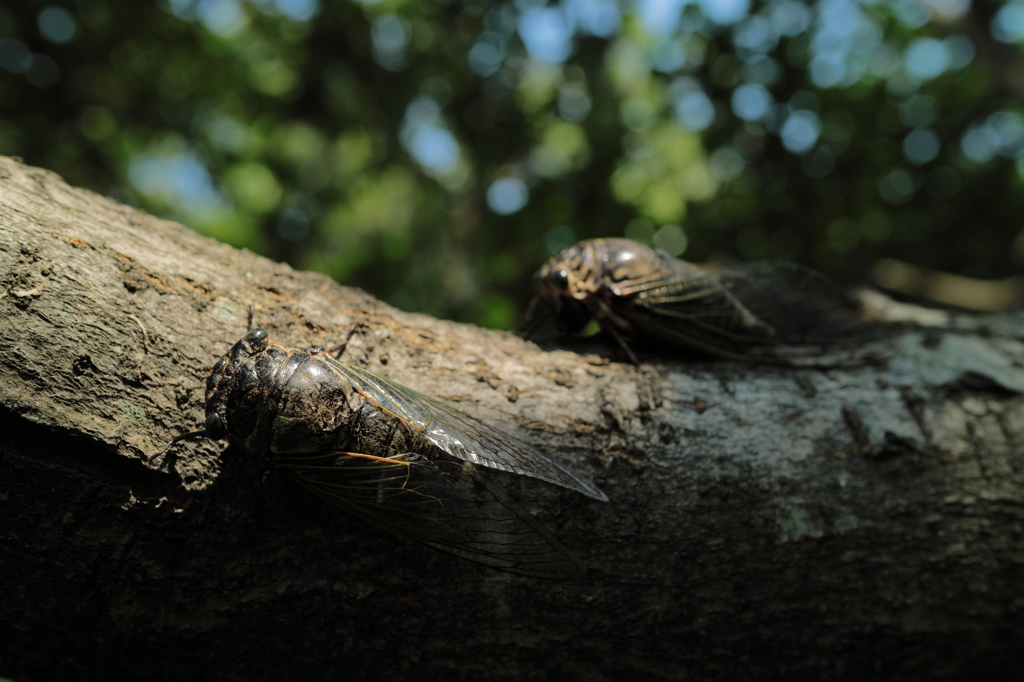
764	522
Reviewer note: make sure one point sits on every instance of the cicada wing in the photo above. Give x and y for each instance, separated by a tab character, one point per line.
446	505
802	280
774	311
700	332
462	436
691	307
805	306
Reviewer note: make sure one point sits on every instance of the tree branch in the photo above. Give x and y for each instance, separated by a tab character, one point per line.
764	521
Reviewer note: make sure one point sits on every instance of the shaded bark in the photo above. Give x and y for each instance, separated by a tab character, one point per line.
764	522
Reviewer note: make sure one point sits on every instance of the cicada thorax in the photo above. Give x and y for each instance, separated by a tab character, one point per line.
579	283
260	396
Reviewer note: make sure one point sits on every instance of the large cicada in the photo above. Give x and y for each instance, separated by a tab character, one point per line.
749	312
400	460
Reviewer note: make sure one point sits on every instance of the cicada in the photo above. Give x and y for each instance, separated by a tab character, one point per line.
749	312
395	458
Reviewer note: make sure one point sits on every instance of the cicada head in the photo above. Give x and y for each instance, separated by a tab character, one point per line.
237	386
560	284
576	277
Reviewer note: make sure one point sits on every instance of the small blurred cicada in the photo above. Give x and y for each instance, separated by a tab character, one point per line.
393	457
760	311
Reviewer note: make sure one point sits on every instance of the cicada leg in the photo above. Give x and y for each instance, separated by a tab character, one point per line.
537	313
339	349
406	459
614	333
644	377
606	320
180	437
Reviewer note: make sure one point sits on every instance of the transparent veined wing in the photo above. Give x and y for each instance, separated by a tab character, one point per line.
761	311
692	307
803	305
446	505
712	332
463	436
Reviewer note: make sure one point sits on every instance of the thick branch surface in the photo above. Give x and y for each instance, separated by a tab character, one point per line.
764	521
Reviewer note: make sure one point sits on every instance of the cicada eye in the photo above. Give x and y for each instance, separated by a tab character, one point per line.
215	428
552	279
257	339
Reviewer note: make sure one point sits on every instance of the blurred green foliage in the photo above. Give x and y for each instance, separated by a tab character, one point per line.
435	152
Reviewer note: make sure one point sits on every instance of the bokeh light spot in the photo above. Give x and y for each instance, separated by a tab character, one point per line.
573	103
921	146
926	58
254	186
1009	130
298	10
1008	23
726	163
980	143
800	131
961	51
57	25
695	110
751	101
428	139
600	18
762	70
910	13
507	195
671	239
725	12
819	163
919	111
293	224
545	35
434	148
897	186
179	179
14	56
390	35
754	36
641	230
659	17
559	237
487	54
44	72
790	18
223	17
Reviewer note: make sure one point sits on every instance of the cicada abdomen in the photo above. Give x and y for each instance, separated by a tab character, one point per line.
393	457
769	312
